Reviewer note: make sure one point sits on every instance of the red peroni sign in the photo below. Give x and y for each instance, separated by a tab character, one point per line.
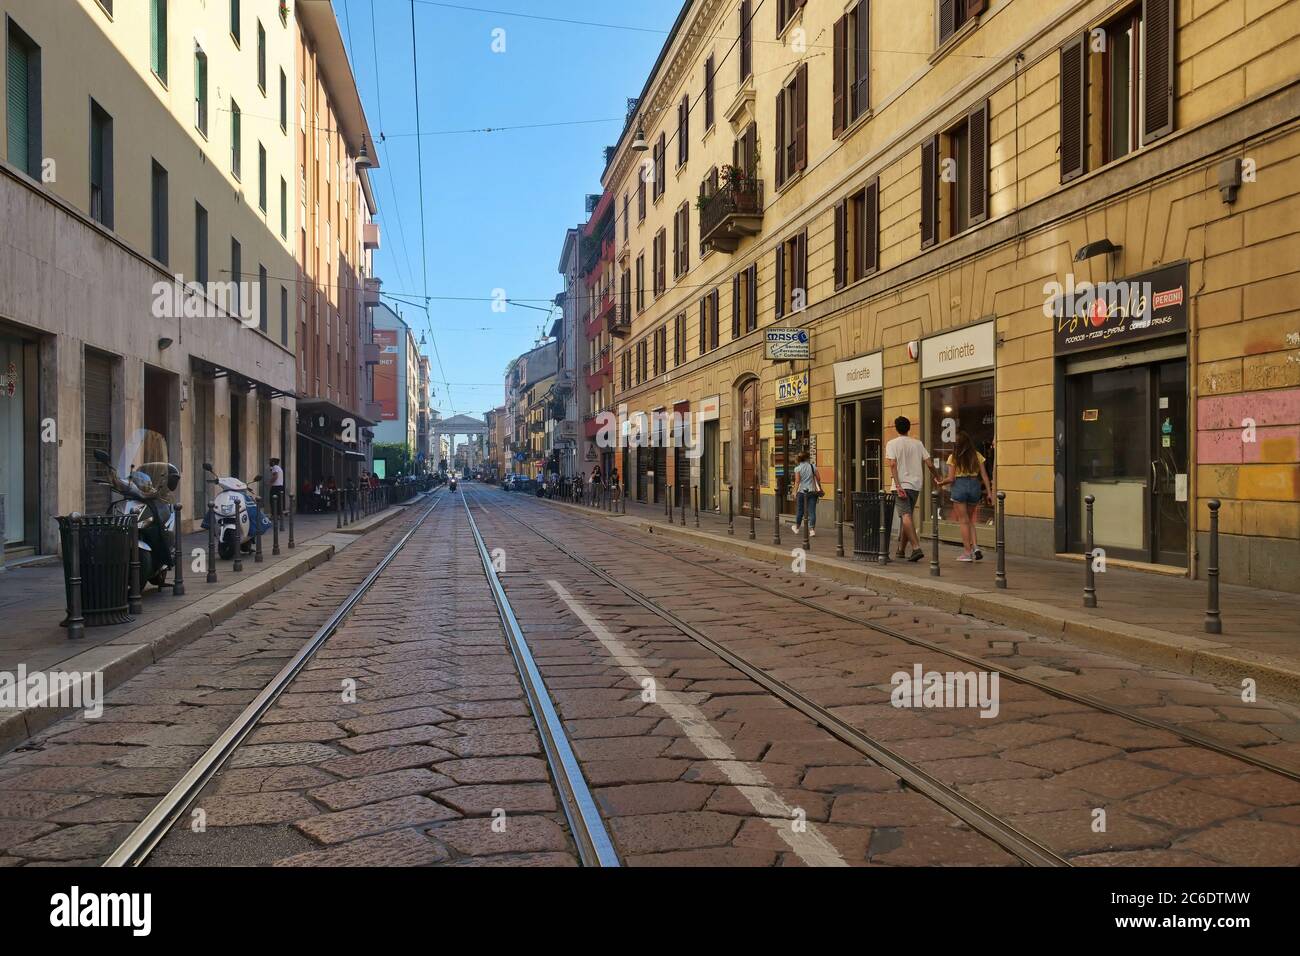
1092	315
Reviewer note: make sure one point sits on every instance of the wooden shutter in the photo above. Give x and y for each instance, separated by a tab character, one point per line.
751	316
978	123
841	243
780	139
714	300
930	192
1158	26
751	148
801	265
708	92
684	131
780	280
870	244
801	119
974	8
839	59
735	306
862	61
704	324
677	245
948	18
686	239
746	48
1074	107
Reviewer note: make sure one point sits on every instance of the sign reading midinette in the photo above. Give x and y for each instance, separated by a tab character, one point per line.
787	344
1144	306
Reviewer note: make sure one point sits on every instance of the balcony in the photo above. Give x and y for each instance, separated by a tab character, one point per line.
732	213
372	291
618	321
370	235
370	353
591	427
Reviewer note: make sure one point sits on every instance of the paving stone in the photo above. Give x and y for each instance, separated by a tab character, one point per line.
495	769
237	810
379	761
265	780
1184	808
398	848
282	755
37	804
347	825
661	832
361	790
73	843
1246	843
484	799
898	809
646	798
521	834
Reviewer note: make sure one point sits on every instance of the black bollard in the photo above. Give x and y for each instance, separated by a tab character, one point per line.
1213	622
338	507
134	600
934	557
212	543
882	556
291	510
668	503
178	555
839	525
808	504
277	507
753	512
731	511
239	549
76	622
1000	578
682	498
1089	581
697	505
257	534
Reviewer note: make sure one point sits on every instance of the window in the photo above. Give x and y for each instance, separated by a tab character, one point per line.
646	171
627	215
261	58
625	371
955	14
661	350
201	91
261	177
200	244
158	38
236	276
661	174
785	11
746	39
234	21
792	275
284	209
954	178
852	66
262	292
284	102
23	99
158	219
236	135
683	131
681	241
792	127
640	283
708	93
744	301
101	165
679	339
660	263
284	316
857	235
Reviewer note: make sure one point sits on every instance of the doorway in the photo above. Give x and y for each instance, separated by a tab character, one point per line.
1126	445
709	500
748	445
861	462
791	439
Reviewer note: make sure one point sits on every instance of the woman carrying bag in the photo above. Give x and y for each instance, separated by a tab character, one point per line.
808	490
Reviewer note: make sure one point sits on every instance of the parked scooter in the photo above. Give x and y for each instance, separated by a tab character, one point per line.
155	514
236	509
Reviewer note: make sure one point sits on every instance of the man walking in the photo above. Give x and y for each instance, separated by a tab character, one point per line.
277	487
908	460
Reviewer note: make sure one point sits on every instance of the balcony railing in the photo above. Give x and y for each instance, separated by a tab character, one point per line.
732	213
618	321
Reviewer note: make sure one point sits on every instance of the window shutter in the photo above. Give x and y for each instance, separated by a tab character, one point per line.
974	8
780	139
746	50
978	121
1074	107
862	61
751	148
871	228
1158	24
780	280
735	306
801	263
708	92
704	324
841	244
838	59
17	96
751	317
714	299
930	192
801	119
947	18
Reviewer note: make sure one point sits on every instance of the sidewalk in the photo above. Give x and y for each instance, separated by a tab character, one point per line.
32	603
1146	616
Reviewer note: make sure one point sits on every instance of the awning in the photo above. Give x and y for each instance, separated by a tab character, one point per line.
239	380
316	406
331	446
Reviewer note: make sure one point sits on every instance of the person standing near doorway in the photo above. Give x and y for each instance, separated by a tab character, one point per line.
970	480
806	493
277	487
908	460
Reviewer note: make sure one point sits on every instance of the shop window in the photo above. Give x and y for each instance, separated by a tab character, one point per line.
961	406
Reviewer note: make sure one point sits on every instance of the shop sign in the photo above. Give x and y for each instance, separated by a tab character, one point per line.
962	350
865	373
788	344
1144	306
792	389
710	407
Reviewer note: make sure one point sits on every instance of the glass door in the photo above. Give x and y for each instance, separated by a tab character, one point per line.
1169	490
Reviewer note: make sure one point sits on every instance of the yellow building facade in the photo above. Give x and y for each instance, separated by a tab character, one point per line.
1068	229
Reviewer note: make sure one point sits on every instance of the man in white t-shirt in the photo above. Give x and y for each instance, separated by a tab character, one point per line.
277	487
908	461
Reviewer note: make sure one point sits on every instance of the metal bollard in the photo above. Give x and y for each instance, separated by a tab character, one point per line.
776	518
731	511
882	556
668	503
338	507
277	507
134	600
808	504
76	621
1000	578
1089	582
682	499
753	511
239	550
178	555
291	510
212	543
697	505
839	524
257	534
934	558
1213	622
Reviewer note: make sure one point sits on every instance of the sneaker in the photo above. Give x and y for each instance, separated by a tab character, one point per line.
794	529
916	555
964	557
979	555
812	533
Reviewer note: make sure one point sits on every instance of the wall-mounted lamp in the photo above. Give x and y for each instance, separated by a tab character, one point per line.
1099	248
639	144
164	343
1229	179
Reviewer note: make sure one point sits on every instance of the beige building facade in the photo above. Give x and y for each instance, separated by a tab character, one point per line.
1067	229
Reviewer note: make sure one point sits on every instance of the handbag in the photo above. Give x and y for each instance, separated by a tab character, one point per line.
817	485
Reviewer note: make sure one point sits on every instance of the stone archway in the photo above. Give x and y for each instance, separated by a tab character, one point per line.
453	427
745	464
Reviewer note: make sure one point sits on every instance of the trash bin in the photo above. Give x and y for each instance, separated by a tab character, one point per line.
867	530
105	566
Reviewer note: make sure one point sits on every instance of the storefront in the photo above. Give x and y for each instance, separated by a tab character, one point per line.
750	449
1121	377
958	392
858	406
707	463
19	438
790	436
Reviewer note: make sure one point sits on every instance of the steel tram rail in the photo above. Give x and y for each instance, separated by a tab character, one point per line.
141	841
1021	845
1187	736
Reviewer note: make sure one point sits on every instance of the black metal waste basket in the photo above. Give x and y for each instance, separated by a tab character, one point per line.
105	566
867	530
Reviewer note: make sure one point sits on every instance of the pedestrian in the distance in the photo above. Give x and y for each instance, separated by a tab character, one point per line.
277	487
970	481
807	491
908	461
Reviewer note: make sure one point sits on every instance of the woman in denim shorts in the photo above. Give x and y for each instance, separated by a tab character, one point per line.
967	480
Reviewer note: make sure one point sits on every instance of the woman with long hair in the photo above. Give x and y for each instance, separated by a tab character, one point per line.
968	479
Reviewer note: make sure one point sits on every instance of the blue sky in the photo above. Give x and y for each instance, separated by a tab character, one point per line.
495	204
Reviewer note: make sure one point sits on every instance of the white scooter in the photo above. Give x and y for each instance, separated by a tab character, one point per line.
236	510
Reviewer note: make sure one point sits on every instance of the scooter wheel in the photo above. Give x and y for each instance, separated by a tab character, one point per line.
225	550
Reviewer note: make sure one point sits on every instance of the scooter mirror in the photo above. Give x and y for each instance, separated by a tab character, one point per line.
256	479
207	466
173	480
101	456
